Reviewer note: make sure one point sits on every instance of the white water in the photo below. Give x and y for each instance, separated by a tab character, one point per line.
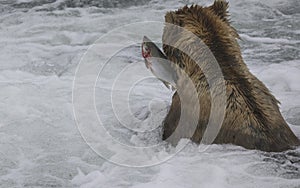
40	145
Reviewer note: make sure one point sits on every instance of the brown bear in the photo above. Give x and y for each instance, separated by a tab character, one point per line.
252	117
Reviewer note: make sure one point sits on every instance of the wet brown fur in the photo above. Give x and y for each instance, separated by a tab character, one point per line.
252	118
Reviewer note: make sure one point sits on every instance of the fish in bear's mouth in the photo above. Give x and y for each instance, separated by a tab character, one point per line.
159	65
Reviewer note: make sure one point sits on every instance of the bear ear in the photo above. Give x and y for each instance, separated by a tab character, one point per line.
220	8
169	17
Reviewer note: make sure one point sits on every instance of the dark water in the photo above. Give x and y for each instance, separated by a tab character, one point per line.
76	3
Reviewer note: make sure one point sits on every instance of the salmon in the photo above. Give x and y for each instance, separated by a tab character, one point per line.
158	64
